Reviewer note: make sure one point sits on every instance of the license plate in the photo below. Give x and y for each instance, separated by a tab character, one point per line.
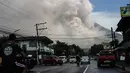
107	61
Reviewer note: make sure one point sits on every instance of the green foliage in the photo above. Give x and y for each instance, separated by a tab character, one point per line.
96	49
62	48
114	42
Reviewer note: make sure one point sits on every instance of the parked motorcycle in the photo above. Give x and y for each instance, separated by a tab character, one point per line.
30	62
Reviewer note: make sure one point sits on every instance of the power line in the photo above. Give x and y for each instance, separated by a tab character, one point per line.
12	9
9	7
8	15
7	27
78	38
3	18
7	30
67	35
5	12
17	7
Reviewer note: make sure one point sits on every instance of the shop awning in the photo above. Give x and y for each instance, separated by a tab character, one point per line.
124	45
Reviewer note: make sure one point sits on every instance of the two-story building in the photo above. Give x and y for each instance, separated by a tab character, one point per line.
29	45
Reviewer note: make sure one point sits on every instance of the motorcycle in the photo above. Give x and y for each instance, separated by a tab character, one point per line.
28	63
23	65
78	63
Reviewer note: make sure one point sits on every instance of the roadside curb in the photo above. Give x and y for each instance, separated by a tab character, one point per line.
119	68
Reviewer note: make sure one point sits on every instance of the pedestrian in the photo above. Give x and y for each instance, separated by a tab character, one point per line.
8	52
122	58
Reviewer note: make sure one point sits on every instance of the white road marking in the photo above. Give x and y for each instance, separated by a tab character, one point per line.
86	69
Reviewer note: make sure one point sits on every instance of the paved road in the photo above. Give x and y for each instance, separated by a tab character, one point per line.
66	68
72	68
94	69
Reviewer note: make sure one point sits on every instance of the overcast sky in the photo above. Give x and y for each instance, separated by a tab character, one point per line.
65	18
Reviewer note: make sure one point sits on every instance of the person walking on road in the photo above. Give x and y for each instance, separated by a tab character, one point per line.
122	58
78	59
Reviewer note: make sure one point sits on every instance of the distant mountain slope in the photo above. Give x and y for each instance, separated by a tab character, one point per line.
108	32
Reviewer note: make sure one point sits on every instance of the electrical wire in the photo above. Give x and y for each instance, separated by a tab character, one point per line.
1	3
10	7
7	27
77	38
70	35
15	5
7	19
18	7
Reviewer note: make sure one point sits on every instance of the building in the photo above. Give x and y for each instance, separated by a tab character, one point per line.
29	45
124	46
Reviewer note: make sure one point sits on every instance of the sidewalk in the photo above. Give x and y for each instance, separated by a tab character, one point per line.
127	68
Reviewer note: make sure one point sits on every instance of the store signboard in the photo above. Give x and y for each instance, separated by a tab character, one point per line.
125	11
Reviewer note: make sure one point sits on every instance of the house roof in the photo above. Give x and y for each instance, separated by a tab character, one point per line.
45	39
124	24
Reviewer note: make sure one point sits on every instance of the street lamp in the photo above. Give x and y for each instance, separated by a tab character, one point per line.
16	30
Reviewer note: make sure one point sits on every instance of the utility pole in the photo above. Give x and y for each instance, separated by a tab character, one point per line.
112	34
37	39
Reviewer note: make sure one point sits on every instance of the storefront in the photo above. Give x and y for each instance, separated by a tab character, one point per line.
123	49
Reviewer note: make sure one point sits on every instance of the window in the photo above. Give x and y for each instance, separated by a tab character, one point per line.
24	47
42	44
32	44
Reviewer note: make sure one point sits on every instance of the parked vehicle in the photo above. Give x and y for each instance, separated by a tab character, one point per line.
53	60
106	57
63	58
72	59
85	60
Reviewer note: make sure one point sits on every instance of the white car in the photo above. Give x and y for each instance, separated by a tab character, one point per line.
63	58
85	60
72	59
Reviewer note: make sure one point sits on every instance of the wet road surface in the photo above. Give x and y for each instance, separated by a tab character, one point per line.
72	68
66	68
105	69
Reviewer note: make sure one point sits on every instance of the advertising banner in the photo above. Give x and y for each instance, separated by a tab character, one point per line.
125	11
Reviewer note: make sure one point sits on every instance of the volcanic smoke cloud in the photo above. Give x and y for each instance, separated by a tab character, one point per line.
66	17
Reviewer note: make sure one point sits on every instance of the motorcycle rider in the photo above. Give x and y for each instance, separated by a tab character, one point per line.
78	59
8	52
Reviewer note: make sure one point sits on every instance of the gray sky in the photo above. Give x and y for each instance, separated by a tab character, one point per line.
65	19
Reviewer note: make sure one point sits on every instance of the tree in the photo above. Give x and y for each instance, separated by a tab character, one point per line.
114	43
96	49
62	48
